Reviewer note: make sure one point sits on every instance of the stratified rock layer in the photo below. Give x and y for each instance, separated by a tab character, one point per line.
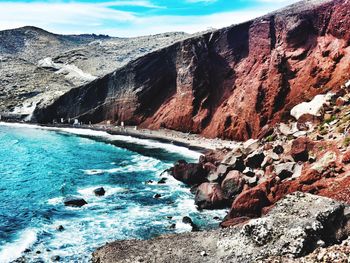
229	83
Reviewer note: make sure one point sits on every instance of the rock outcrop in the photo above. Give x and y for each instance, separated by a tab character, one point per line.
231	83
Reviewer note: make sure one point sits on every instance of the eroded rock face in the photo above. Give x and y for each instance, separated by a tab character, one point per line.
229	83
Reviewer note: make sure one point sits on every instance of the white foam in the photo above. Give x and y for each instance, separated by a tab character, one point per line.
55	201
13	250
102	134
88	192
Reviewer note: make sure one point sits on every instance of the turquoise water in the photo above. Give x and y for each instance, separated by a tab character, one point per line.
40	167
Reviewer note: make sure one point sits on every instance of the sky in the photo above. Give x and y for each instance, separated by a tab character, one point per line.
127	18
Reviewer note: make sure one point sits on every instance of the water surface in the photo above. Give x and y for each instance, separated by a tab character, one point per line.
40	167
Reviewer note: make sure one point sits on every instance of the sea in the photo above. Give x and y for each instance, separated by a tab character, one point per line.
39	167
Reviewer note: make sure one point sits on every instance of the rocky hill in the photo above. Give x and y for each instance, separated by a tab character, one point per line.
37	66
230	83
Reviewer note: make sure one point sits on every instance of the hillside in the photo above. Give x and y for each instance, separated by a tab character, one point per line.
38	66
231	83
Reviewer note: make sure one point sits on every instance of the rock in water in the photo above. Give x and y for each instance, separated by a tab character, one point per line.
99	191
187	220
189	173
74	201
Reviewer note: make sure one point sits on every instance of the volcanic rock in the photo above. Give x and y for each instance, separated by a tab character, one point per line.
189	173
74	201
232	184
293	228
99	191
300	149
210	196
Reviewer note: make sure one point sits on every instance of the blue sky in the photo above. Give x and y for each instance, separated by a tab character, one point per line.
131	17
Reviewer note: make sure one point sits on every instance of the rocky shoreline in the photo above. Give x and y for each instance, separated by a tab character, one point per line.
256	179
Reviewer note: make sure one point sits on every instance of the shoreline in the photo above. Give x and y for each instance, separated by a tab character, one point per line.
192	142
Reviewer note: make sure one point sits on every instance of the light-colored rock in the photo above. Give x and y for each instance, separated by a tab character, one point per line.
314	107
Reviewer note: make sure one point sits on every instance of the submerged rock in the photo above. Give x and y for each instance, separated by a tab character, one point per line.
99	191
74	201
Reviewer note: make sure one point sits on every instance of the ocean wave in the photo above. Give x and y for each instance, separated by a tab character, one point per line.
13	250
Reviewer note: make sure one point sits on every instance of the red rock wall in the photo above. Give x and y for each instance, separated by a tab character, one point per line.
229	83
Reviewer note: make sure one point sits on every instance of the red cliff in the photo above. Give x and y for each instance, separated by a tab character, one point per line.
230	83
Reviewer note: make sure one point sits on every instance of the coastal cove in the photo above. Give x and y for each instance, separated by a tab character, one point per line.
42	165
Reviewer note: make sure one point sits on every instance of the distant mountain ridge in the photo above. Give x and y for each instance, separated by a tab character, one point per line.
37	66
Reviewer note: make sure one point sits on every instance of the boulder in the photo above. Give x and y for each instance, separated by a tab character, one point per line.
157	196
74	201
314	107
251	181
300	149
285	170
250	202
210	196
234	160
233	184
305	121
255	159
219	174
99	191
250	146
189	173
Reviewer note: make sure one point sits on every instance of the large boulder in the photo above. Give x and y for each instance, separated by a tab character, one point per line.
300	149
233	184
314	107
189	173
74	201
210	196
255	159
250	202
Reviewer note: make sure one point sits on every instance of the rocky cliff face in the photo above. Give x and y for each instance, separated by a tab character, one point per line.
229	83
